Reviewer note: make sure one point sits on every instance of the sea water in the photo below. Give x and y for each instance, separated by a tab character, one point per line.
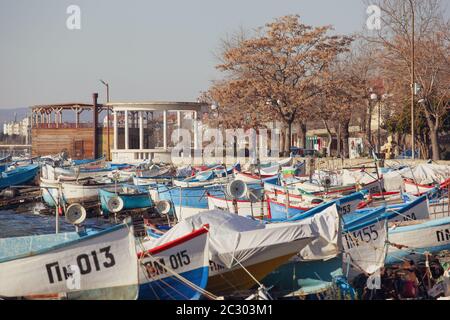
14	224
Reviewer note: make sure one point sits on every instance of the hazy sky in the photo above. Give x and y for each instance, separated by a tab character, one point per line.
147	50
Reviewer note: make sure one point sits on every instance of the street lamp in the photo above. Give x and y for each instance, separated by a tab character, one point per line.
374	97
106	84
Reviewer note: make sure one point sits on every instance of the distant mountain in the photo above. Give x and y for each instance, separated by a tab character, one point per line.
7	115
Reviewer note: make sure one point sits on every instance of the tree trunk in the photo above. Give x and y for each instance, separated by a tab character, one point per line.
397	139
433	124
435	144
330	138
337	127
369	124
288	142
345	136
302	134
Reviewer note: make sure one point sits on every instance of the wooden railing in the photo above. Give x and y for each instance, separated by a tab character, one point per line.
62	125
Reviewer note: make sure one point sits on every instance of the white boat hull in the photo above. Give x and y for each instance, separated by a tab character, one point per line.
244	207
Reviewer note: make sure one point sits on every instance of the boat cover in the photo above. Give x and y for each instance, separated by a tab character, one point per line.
428	173
235	239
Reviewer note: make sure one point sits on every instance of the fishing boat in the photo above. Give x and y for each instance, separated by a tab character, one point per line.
272	168
439	207
438	201
424	177
243	207
241	249
18	176
359	248
72	191
214	175
252	178
47	264
5	162
153	181
302	186
416	209
75	172
311	188
124	197
290	210
175	270
89	162
281	211
187	201
419	188
412	239
142	174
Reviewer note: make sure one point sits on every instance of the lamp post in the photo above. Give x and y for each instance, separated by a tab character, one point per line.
412	80
374	97
106	84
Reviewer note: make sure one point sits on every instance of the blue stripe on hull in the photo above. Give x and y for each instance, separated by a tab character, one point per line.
192	197
171	288
278	211
136	201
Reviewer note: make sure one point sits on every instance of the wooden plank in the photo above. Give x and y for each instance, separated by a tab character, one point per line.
53	141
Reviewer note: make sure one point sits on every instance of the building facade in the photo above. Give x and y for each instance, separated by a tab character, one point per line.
147	130
19	128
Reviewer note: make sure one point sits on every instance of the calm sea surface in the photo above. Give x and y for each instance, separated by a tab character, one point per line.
13	224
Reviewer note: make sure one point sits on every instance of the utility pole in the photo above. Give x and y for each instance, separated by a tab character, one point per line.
412	81
107	119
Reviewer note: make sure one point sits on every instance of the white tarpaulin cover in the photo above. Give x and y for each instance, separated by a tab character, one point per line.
326	223
365	248
393	180
103	260
235	238
351	177
428	173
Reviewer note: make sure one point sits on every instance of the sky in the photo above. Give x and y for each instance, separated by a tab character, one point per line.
146	49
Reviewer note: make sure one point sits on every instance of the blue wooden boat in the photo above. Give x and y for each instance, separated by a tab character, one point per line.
412	239
18	176
83	162
133	197
4	163
187	201
413	210
188	256
214	175
278	210
118	166
40	264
